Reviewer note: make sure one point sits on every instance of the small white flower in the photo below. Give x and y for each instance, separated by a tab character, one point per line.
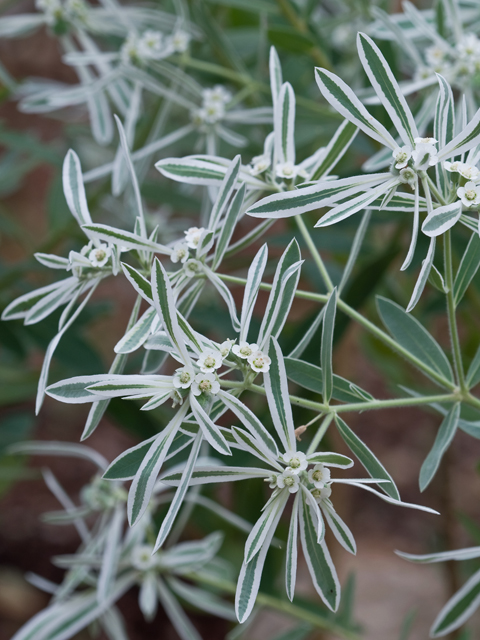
226	347
259	361
286	170
129	51
213	112
142	558
217	95
180	40
288	480
425	141
296	460
180	252
469	194
150	45
402	156
272	481
259	165
192	236
453	166
425	154
322	494
408	176
434	56
244	350
100	255
205	383
469	47
192	268
76	9
210	360
469	172
319	475
183	378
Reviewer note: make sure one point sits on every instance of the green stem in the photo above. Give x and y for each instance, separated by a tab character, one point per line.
452	318
284	606
314	252
305	295
317	438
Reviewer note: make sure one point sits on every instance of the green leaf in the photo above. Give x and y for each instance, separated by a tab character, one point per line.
126	465
327	345
468	267
445	435
319	562
210	430
284	125
413	337
74	190
367	458
473	375
292	550
254	279
340	530
226	189
259	533
228	226
309	376
141	285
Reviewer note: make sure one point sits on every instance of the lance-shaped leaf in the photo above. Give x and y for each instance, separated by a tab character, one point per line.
309	376
422	276
468	138
192	171
281	294
126	465
224	291
52	261
250	421
442	219
254	279
316	513
246	442
138	334
335	150
111	555
367	458
74	190
352	206
292	550
276	388
319	562
330	459
387	89
177	616
141	285
413	337
275	69
468	553
203	600
62	449
458	609
284	125
468	267
122	386
344	100
292	203
22	305
250	576
144	481
340	530
179	496
210	430
209	475
124	238
261	528
327	346
416	224
128	160
49	303
444	127
445	435
228	226
224	193
165	306
75	390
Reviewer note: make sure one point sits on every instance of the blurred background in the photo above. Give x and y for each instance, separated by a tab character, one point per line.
389	594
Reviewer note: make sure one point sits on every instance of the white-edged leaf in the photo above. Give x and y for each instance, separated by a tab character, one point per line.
276	388
52	261
224	193
292	551
468	138
111	553
327	346
249	421
319	562
284	125
330	459
210	430
340	530
261	528
179	496
209	475
367	458
459	608
138	334
276	80
468	267
458	554
74	190
228	226
344	100
416	225
177	616
54	448
387	89
441	219
225	293
254	279
423	275
124	239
